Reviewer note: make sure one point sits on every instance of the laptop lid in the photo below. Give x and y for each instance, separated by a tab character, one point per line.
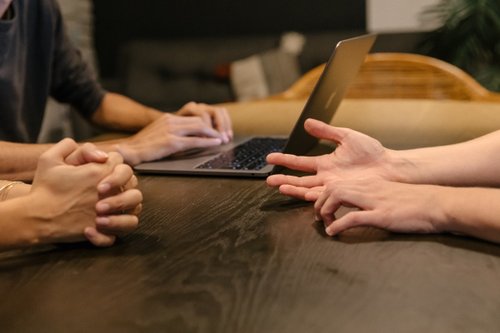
339	72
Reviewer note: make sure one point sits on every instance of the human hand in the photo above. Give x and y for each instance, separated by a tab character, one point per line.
392	206
357	155
118	208
64	196
216	117
119	201
168	135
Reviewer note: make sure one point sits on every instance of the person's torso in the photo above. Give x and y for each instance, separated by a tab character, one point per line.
26	55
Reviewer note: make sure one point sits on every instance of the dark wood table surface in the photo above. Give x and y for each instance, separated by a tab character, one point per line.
231	255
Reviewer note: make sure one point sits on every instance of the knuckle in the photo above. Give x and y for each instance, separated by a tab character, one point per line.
115	157
88	146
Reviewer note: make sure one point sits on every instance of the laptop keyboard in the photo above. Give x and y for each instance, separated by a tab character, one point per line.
250	155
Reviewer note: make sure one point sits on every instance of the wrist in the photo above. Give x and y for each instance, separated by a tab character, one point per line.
23	228
153	114
399	167
7	189
443	200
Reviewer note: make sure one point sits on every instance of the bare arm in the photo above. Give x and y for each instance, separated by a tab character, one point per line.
410	208
157	134
19	160
471	163
118	112
160	134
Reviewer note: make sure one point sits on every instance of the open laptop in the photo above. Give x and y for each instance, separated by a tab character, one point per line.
245	156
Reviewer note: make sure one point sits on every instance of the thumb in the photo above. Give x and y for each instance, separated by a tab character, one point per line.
58	153
350	220
325	131
87	153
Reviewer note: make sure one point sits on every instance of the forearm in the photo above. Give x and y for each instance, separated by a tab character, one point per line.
471	163
19	160
118	112
471	211
17	224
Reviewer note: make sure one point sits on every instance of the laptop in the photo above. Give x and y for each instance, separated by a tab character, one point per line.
246	156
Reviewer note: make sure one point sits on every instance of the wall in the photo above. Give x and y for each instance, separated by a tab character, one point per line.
398	15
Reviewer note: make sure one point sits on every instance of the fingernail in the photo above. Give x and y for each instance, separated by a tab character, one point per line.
103	188
329	231
102	220
89	232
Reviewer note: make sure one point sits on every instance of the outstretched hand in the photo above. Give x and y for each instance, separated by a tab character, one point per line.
357	155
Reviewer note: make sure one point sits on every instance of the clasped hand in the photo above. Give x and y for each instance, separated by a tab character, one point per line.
83	193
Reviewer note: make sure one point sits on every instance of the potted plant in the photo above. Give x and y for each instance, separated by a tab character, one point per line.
468	37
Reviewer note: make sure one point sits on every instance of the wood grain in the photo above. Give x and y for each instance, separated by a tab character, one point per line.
231	255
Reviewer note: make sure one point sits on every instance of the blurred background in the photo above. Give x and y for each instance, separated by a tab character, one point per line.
165	53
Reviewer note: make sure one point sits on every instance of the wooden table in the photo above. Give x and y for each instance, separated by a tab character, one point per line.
231	255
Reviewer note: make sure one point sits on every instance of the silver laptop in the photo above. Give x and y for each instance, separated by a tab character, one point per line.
246	156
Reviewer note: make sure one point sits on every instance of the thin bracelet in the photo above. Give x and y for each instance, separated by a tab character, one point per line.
4	190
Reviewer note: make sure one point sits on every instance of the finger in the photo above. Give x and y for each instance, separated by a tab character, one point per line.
319	204
97	238
196	127
204	112
328	209
350	220
313	194
135	211
304	181
58	153
118	225
122	177
223	123
115	159
325	131
228	123
300	163
187	109
120	202
133	182
185	143
294	192
86	153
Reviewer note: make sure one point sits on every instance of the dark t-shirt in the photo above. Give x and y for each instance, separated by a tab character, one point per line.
36	61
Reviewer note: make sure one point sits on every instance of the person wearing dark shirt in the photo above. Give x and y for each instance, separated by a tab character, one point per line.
37	61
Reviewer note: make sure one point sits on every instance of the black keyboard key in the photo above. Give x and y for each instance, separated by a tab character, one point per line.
250	155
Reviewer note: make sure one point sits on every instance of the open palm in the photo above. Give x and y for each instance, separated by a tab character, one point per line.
357	155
